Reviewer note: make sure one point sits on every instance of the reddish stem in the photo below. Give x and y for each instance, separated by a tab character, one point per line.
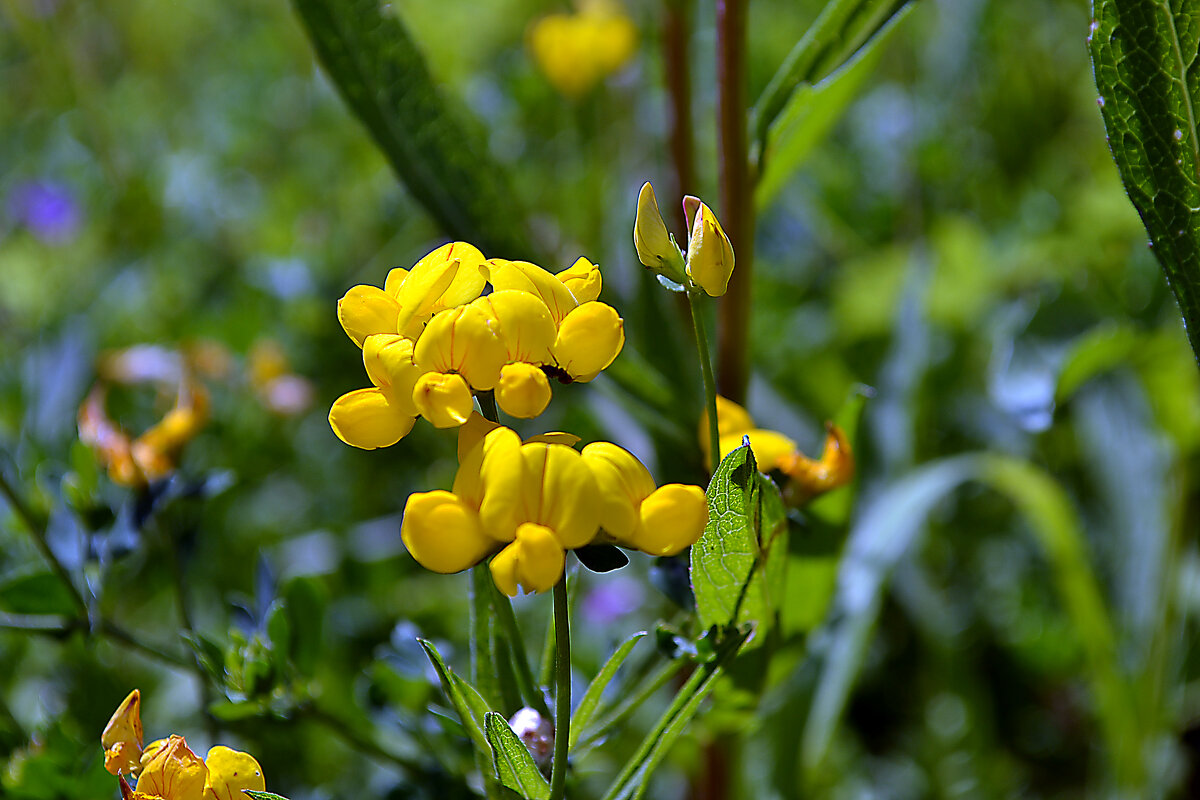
677	40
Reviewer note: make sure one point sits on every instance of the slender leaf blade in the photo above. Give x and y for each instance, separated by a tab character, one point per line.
591	698
435	148
1145	59
514	765
470	706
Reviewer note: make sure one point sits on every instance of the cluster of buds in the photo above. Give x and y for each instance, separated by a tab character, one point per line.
167	769
529	502
431	339
576	51
806	477
709	260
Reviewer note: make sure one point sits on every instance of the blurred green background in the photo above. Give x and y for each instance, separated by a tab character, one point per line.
184	175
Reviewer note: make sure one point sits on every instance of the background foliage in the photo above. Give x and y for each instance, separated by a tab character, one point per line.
181	174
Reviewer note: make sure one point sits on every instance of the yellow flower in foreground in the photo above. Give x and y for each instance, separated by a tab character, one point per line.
709	255
655	247
576	51
533	500
168	768
774	451
384	414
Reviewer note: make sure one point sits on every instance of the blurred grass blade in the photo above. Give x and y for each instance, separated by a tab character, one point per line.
514	765
889	528
591	698
1144	55
1094	353
809	115
471	707
736	570
842	29
438	151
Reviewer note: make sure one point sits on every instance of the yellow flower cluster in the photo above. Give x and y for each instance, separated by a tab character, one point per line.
167	769
576	51
529	502
774	451
431	338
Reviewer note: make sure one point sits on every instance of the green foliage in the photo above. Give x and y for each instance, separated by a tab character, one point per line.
467	702
590	701
513	764
1145	52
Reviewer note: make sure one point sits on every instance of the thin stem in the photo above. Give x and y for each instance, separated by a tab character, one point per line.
562	695
710	388
677	40
37	531
118	634
530	694
737	196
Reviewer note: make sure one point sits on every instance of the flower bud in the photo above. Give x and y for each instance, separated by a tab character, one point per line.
710	255
534	561
523	390
536	732
655	247
443	398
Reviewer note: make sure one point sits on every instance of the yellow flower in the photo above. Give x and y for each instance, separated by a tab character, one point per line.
464	340
807	477
576	51
589	339
384	414
660	521
655	247
523	390
710	255
122	737
533	562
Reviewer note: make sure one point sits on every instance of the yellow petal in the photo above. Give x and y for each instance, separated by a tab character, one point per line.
230	772
525	277
175	773
471	434
583	279
502	506
443	398
449	276
368	418
525	324
523	390
555	437
389	363
122	736
150	752
623	482
465	340
772	450
469	278
365	310
710	255
810	478
653	242
614	39
442	533
672	518
395	278
588	340
560	493
533	562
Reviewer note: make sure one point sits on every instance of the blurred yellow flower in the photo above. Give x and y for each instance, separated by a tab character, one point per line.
774	451
167	769
577	51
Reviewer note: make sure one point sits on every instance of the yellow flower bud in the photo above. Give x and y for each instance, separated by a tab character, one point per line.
672	518
175	773
230	772
443	398
534	561
122	736
583	279
443	533
710	255
523	390
655	247
589	339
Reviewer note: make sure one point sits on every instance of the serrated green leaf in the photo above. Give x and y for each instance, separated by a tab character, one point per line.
264	795
736	571
435	148
514	765
591	698
471	707
843	28
1144	54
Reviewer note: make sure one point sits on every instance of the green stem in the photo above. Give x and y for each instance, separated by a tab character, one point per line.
530	693
37	531
562	694
118	634
710	386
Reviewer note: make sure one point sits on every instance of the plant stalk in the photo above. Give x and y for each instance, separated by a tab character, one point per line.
531	695
737	197
706	370
37	531
562	693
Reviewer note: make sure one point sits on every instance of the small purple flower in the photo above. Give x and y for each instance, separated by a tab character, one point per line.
611	600
47	208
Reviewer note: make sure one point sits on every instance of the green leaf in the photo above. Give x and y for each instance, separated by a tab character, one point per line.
305	601
1145	59
264	795
736	572
890	527
36	592
591	698
435	148
471	707
843	29
514	765
808	117
1092	354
